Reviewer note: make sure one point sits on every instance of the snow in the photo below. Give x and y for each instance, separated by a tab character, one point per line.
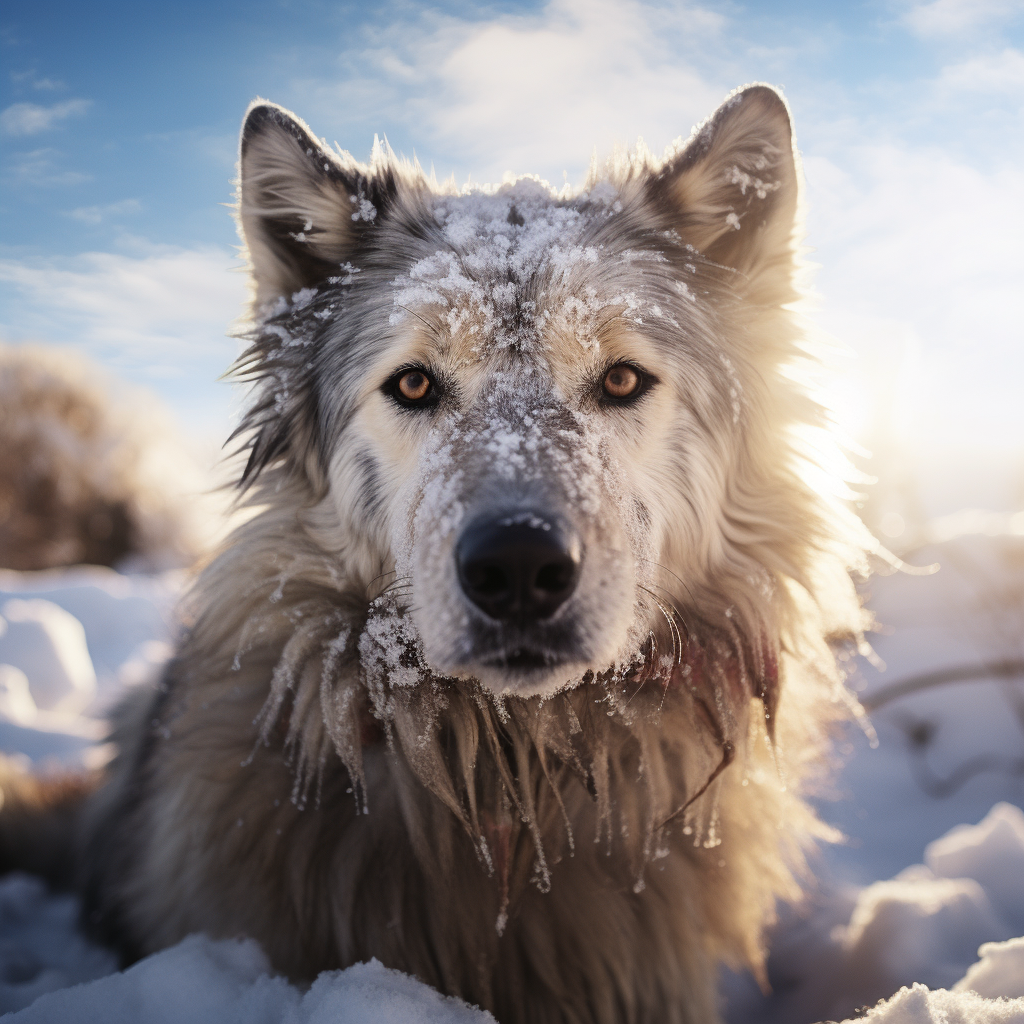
201	981
916	1005
507	238
916	912
992	852
47	646
71	640
40	949
999	972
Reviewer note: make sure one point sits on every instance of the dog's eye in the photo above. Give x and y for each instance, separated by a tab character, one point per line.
622	382
412	387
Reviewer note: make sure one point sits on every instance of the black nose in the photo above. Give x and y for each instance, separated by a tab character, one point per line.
520	569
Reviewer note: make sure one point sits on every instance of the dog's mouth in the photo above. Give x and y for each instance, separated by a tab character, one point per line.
524	669
524	660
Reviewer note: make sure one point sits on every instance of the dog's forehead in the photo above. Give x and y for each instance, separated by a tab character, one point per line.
508	270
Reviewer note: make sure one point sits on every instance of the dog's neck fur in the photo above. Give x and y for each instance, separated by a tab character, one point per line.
527	782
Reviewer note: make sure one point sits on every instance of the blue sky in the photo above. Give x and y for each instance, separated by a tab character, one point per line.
118	126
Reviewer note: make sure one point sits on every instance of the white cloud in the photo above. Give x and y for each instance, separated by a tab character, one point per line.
159	311
98	214
46	84
952	17
996	73
538	92
31	118
41	167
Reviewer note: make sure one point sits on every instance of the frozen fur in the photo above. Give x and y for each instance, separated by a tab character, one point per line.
346	759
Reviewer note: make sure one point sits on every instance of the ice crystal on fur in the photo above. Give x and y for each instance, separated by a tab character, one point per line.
502	247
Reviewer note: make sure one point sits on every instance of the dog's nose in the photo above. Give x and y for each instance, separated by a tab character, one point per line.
518	569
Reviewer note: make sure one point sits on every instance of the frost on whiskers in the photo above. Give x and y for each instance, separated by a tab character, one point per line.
631	728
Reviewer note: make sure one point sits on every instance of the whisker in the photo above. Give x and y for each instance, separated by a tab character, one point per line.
646	672
431	327
402	583
664	615
678	579
380	576
677	639
675	608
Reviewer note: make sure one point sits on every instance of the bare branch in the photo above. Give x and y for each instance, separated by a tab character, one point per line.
1009	668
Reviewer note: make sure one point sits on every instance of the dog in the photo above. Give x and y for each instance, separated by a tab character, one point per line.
513	674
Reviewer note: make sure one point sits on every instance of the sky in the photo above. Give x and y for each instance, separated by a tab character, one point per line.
119	124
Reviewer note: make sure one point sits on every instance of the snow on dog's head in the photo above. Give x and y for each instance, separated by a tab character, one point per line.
562	429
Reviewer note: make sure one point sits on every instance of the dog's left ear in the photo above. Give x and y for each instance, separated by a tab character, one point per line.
733	192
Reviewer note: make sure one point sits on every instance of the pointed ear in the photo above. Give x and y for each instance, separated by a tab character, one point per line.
733	192
296	203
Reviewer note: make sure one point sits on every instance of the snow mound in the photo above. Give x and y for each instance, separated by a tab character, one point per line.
201	980
999	972
991	852
71	641
918	1005
915	927
921	928
48	645
925	924
40	948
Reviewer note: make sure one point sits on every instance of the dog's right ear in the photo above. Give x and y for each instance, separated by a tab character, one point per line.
733	193
301	206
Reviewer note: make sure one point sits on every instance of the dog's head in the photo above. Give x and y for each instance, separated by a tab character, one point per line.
564	421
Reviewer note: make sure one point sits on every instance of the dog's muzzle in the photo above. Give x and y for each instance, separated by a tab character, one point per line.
518	569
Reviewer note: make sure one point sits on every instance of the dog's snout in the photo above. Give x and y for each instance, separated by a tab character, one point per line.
519	569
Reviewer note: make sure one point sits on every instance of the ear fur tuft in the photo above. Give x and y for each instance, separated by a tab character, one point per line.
295	202
733	191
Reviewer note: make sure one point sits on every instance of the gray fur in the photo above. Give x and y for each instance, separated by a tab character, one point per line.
338	763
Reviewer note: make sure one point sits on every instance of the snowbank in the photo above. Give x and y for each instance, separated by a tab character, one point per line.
71	640
925	924
992	992
200	981
999	972
917	1005
921	928
40	948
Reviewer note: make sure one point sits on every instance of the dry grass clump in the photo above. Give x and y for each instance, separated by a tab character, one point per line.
91	470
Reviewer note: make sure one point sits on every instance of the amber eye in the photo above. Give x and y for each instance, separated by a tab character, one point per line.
413	385
413	388
622	381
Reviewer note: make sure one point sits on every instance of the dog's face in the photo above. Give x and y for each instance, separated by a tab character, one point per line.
532	407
